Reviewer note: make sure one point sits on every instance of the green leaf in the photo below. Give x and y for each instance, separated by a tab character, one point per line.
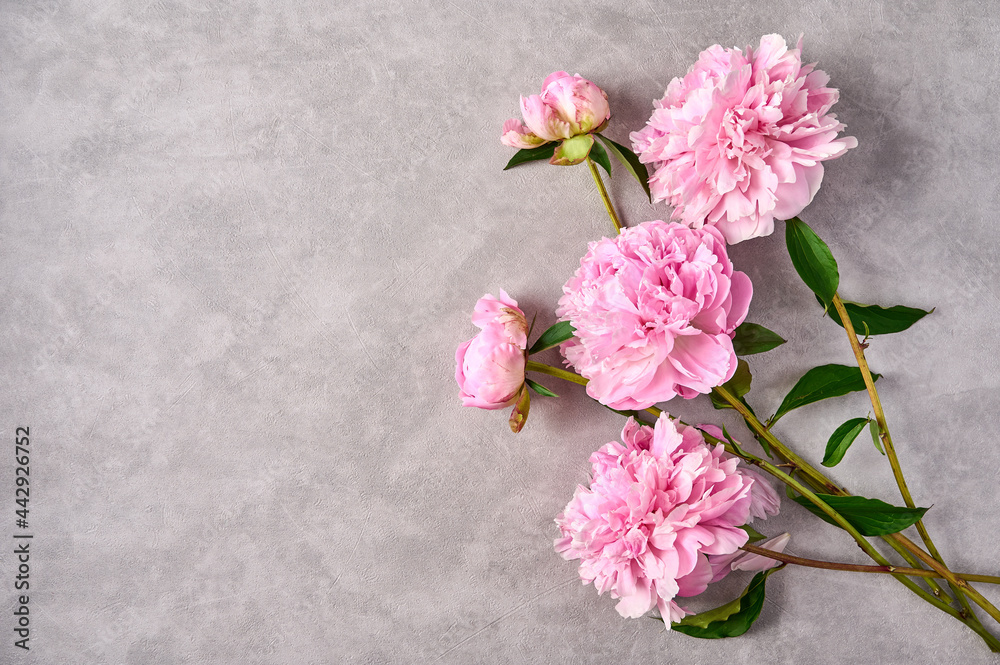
842	439
732	442
751	338
730	620
879	320
812	259
739	386
554	336
539	388
755	536
627	414
873	429
544	151
820	383
599	155
630	161
871	517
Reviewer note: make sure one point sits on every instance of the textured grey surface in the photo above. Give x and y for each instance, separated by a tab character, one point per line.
239	244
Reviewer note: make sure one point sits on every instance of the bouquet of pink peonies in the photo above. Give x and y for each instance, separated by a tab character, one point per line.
657	312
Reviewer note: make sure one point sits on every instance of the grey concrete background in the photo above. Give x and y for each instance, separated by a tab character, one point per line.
240	242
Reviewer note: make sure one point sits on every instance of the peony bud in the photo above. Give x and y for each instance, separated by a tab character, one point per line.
569	106
490	366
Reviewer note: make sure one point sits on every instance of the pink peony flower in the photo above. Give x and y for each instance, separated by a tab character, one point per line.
656	508
568	106
740	140
654	311
490	366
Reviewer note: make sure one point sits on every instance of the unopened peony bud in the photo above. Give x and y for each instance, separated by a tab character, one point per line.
490	366
569	106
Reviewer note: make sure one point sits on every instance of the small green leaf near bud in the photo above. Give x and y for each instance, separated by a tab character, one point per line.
531	155
630	161
600	156
539	388
554	336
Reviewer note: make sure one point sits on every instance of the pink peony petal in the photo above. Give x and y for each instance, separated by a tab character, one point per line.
757	562
517	135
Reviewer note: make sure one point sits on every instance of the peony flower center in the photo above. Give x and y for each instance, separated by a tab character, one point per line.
635	542
740	134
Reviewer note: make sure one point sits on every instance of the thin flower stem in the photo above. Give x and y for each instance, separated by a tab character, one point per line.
886	437
815	477
604	195
860	568
542	368
866	374
847	526
934	600
936	565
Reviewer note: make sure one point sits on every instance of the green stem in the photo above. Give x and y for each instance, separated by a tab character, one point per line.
815	477
866	374
846	526
604	195
542	368
900	545
936	565
890	449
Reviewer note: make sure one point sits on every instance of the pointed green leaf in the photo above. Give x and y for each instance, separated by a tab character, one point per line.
599	155
730	620
627	414
821	383
842	439
544	151
539	388
870	517
755	536
554	336
879	320
751	338
739	386
873	429
630	161
732	442
812	259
